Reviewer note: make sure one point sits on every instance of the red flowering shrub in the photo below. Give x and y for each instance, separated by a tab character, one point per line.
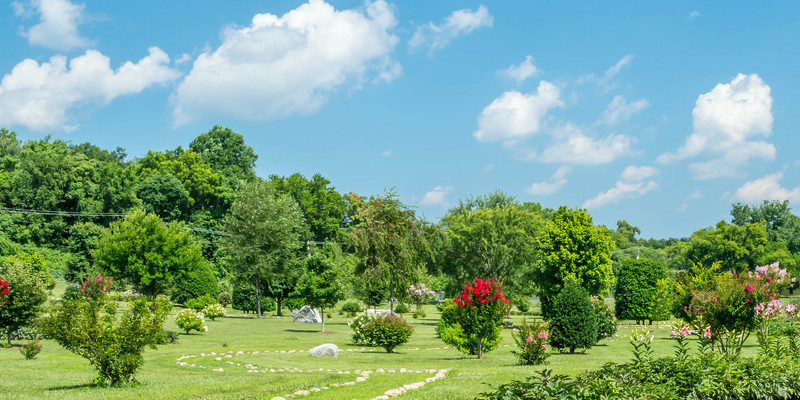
477	320
3	291
95	287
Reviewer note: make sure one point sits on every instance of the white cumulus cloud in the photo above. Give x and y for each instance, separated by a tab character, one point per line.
633	183
521	71
58	24
460	22
290	64
620	110
729	122
558	180
572	146
515	115
767	188
436	197
40	96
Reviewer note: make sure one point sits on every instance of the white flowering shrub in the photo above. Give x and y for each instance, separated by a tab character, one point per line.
190	320
214	311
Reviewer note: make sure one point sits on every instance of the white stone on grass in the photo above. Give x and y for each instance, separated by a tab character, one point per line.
326	350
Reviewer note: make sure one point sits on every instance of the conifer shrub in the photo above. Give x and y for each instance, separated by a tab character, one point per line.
573	324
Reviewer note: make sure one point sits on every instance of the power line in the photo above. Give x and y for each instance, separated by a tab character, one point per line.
51	213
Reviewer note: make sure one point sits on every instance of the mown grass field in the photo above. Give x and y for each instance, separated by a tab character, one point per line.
59	374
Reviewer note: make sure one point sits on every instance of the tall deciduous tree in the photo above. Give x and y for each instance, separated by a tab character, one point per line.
572	249
225	151
322	206
389	243
266	230
737	248
495	242
321	286
165	196
147	253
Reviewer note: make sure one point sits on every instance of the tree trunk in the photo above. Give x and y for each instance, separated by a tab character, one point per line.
322	317
258	298
571	350
480	351
8	336
279	301
391	297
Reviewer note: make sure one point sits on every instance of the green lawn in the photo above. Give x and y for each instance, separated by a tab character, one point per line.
58	374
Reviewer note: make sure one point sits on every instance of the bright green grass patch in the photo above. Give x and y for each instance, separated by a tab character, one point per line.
58	374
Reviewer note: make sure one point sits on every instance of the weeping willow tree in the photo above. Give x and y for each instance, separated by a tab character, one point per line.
391	244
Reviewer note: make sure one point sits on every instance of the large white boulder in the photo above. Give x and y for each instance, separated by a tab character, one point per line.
325	350
306	314
380	313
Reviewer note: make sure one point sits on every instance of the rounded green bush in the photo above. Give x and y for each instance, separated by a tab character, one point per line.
401	308
573	324
351	308
214	311
606	320
201	302
388	331
190	320
199	282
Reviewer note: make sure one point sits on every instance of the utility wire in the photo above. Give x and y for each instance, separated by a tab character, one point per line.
51	213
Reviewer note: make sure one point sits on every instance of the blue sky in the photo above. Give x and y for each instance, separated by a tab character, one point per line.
662	114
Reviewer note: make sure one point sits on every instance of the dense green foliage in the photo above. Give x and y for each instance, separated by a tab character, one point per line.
322	206
147	253
387	332
478	315
636	289
90	328
606	319
26	292
197	282
573	324
190	320
321	286
572	250
201	302
264	242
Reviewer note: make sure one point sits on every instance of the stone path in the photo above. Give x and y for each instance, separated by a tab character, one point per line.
192	361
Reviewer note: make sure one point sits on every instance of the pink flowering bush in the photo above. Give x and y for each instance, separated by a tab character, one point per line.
531	339
96	287
777	320
606	320
419	294
726	303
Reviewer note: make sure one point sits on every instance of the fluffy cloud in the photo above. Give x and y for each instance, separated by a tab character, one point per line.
279	66
767	188
728	123
633	183
558	181
572	146
58	24
620	110
522	71
460	22
436	197
40	96
634	173
515	115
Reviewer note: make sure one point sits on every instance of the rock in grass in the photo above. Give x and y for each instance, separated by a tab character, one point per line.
306	314
326	350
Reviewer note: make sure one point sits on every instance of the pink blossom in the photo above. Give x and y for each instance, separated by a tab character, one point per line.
748	288
529	339
542	335
707	333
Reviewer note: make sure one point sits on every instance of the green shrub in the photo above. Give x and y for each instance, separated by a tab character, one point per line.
190	320
401	308
202	281
606	321
531	339
201	302
351	308
442	304
573	324
72	292
31	349
26	293
214	311
90	328
387	331
636	289
360	337
224	298
167	337
479	315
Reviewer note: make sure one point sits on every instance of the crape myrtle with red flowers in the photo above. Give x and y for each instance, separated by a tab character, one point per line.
481	308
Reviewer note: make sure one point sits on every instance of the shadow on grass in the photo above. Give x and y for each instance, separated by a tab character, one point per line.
302	330
69	387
